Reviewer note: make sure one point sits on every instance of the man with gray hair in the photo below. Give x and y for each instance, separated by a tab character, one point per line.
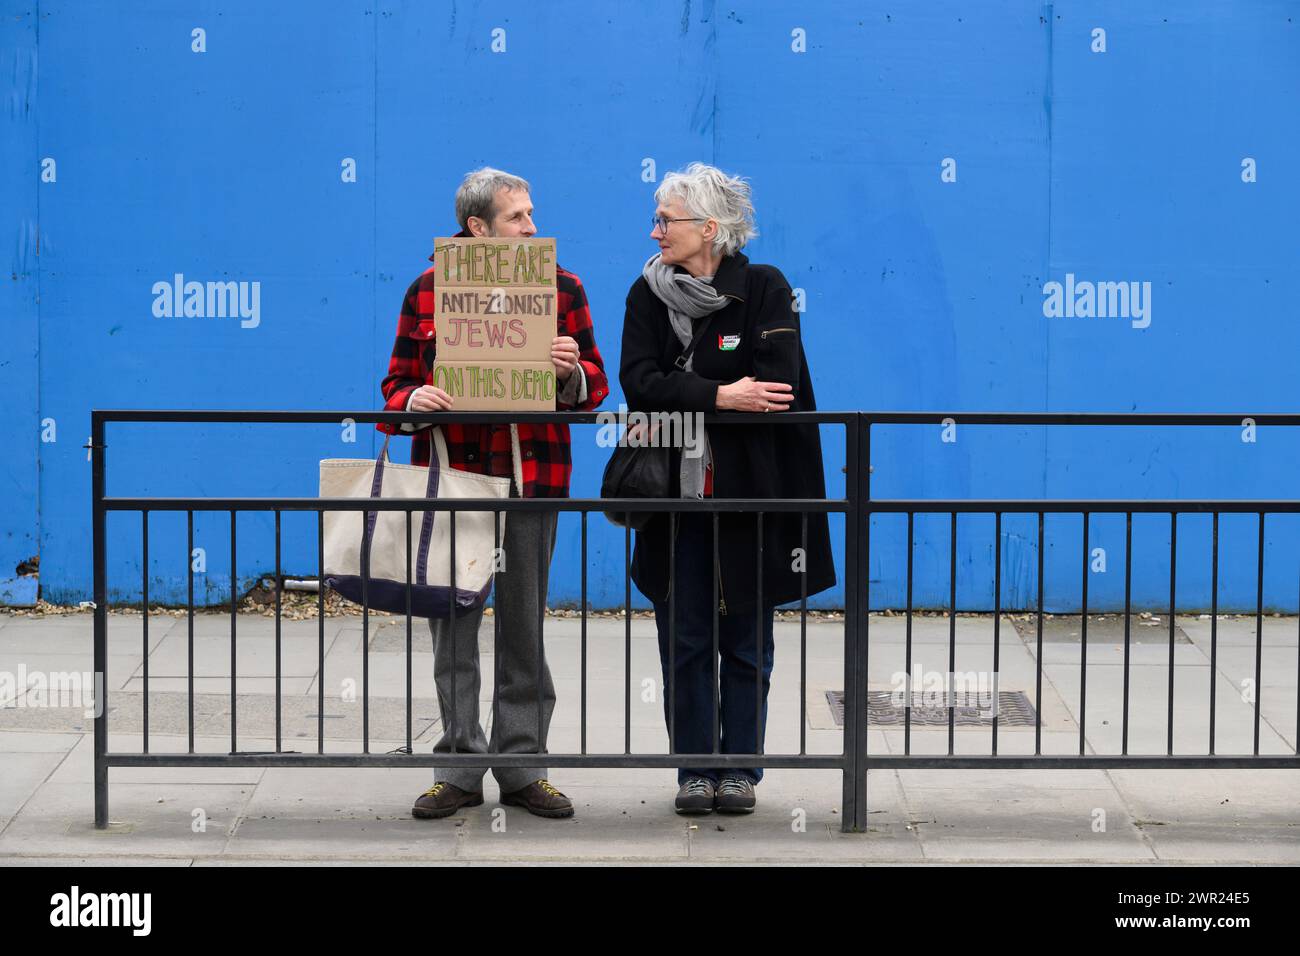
495	203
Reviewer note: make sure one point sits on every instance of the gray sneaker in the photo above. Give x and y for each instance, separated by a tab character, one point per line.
695	796
735	794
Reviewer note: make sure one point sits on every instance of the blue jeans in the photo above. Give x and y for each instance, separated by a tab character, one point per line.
693	660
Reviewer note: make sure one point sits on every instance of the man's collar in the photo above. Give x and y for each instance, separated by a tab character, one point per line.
730	277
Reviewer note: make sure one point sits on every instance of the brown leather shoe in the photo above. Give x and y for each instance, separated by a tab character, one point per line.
443	799
541	799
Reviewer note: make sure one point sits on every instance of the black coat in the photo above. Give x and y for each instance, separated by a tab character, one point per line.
749	461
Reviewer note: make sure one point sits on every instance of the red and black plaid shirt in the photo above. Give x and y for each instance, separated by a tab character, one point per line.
545	462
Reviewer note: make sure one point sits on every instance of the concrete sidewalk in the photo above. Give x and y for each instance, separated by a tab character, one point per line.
220	816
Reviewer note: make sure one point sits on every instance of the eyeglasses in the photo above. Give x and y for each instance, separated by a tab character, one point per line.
660	223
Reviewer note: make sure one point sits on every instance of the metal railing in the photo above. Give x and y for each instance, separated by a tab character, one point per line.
854	759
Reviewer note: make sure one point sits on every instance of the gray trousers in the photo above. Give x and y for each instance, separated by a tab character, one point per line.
517	726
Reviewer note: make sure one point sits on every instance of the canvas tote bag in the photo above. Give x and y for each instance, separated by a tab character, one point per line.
352	541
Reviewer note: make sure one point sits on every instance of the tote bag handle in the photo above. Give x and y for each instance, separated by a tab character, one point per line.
437	462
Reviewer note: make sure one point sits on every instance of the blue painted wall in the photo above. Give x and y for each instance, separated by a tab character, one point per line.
1123	165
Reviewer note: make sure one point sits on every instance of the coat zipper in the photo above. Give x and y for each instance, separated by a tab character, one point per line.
766	332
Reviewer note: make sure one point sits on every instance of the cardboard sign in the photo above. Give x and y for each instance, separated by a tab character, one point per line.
496	313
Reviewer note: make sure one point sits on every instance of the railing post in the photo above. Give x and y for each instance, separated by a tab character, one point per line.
862	522
99	542
849	798
857	455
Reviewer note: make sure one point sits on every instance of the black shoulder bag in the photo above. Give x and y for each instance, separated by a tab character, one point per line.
642	471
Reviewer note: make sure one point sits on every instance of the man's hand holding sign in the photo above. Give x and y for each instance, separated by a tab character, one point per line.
564	356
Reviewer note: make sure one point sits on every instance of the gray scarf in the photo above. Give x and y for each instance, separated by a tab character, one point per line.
687	298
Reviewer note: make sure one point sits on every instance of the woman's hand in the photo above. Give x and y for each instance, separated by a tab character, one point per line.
750	395
429	398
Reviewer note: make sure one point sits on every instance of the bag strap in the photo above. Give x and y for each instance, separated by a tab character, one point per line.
680	362
439	448
437	462
682	359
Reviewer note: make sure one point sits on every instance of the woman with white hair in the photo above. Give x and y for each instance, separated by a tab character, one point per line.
707	330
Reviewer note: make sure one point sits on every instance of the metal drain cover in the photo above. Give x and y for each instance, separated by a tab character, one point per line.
1014	710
